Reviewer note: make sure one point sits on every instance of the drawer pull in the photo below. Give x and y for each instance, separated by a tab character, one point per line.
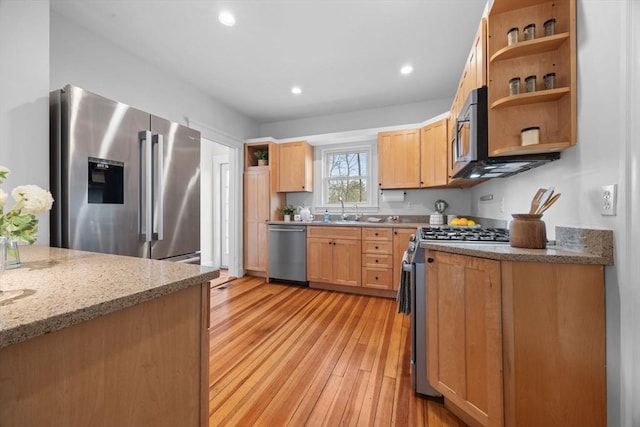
376	260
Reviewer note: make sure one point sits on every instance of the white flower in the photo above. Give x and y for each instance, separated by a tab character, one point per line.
3	198
34	199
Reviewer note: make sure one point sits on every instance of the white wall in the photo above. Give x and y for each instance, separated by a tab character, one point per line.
364	119
81	58
24	97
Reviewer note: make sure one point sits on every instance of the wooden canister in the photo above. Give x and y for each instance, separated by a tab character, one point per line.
527	231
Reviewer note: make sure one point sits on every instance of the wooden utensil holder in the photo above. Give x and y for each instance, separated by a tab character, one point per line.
527	231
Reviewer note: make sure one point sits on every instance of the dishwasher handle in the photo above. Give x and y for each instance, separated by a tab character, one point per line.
288	229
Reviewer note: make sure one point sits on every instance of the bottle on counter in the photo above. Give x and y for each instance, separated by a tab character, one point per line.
326	217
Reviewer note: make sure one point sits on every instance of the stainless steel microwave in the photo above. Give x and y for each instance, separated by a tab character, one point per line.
470	146
471	132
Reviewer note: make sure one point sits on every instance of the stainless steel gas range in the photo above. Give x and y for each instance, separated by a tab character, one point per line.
414	262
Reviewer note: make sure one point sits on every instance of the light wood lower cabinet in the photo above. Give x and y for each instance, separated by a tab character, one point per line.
333	255
145	365
517	343
377	258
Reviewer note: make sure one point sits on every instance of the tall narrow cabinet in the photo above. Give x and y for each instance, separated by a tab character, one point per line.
262	203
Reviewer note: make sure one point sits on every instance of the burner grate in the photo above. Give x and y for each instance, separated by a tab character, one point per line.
465	234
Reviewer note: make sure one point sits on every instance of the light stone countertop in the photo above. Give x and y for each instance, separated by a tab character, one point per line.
573	246
383	224
64	287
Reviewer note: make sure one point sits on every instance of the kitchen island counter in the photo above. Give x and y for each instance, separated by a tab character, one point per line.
63	287
104	340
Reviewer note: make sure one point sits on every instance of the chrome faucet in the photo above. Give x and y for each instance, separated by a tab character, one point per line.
344	215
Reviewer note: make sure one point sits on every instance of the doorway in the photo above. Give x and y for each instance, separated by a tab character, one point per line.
220	223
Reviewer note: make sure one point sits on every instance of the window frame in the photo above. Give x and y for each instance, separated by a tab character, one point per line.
321	179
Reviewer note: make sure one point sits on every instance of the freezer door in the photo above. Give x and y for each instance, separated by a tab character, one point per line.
176	191
96	173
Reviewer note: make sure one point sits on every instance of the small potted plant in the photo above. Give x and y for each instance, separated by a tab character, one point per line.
262	156
287	211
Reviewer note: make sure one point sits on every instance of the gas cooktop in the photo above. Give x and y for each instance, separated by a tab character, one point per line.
465	234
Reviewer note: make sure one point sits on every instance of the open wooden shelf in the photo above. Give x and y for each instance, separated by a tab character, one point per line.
530	47
530	149
531	98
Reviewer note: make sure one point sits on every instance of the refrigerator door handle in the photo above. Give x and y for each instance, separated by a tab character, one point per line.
159	196
146	174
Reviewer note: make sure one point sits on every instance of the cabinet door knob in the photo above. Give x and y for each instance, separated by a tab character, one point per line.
430	260
376	261
376	247
376	277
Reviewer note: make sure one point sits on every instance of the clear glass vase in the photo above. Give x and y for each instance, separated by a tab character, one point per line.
13	254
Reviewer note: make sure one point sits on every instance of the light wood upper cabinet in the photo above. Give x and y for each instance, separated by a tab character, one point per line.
433	154
399	159
295	168
553	110
474	74
504	336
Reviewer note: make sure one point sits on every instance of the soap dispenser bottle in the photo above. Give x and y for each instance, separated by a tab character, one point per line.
326	216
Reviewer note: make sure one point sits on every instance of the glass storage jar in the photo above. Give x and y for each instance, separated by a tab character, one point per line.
512	36
530	84
529	32
549	27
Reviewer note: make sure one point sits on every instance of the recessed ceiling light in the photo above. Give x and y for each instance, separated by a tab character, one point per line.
226	18
296	90
407	69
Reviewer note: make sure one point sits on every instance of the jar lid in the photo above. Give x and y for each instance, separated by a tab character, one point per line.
530	128
550	75
529	26
513	29
530	77
514	79
549	21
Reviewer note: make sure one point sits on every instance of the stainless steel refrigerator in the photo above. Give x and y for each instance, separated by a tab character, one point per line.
125	181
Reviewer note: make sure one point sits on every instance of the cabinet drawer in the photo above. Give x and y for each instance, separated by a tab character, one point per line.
374	247
378	278
377	261
369	233
350	233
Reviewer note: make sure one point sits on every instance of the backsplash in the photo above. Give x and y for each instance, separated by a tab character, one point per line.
416	203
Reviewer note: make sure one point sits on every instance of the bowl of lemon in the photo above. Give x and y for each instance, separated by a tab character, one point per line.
463	222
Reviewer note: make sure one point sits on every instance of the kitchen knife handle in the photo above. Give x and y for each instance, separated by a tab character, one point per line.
144	224
159	196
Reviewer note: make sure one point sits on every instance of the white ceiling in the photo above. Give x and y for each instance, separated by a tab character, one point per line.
345	54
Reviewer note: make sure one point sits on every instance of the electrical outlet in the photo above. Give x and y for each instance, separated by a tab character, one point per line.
609	199
502	205
409	205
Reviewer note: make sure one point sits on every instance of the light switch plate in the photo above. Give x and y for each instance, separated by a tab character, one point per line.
609	199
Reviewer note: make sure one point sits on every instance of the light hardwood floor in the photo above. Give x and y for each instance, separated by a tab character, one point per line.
287	356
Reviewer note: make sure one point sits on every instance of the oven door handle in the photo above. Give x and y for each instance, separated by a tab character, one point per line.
407	267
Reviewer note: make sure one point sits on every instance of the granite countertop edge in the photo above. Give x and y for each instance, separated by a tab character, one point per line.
45	273
381	224
572	246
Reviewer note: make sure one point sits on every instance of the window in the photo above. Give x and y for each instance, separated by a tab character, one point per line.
347	172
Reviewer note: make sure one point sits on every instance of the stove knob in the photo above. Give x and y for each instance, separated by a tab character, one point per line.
412	238
411	247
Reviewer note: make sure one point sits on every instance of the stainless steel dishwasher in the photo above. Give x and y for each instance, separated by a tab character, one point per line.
288	253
